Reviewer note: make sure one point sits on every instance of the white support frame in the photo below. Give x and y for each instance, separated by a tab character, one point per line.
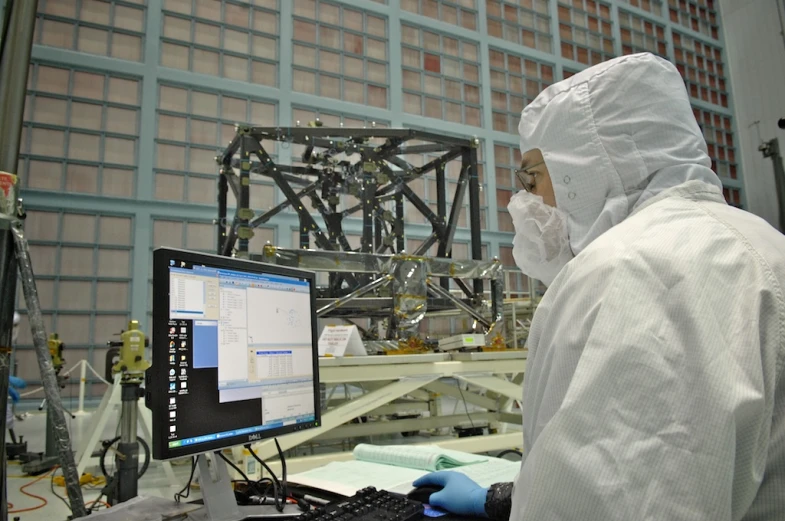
405	376
473	444
110	402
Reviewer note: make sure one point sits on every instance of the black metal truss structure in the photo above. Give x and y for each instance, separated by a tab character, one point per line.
368	164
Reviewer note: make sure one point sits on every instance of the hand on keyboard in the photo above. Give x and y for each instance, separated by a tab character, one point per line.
459	495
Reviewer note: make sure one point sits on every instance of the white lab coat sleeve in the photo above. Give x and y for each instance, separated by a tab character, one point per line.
644	402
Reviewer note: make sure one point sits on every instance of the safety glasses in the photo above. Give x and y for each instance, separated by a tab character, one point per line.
526	177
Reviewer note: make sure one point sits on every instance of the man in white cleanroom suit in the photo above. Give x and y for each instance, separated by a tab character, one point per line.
654	388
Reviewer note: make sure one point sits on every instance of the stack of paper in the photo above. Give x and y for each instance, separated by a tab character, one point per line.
394	468
416	456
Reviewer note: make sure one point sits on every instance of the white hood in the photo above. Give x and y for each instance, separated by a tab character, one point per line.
612	137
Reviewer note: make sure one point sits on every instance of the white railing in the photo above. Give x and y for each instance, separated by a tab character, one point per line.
83	365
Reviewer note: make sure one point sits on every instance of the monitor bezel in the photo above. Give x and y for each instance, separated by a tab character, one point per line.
157	381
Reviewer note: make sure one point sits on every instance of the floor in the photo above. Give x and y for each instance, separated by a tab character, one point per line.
153	483
33	429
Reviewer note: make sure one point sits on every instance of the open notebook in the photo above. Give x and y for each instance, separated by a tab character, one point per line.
421	457
395	467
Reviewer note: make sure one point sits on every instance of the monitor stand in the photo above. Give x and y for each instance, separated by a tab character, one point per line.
219	500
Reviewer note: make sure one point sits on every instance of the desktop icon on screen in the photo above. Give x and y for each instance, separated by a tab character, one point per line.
183	385
172	386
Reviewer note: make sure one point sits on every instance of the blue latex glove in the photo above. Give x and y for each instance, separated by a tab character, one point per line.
459	495
17	383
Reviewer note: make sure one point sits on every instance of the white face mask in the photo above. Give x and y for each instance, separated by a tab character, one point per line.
541	246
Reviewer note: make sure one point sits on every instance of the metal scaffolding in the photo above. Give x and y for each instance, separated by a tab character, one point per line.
370	165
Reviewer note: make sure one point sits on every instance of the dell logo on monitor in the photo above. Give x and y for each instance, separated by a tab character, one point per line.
254	437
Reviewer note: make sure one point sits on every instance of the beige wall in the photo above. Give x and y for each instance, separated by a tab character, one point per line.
755	54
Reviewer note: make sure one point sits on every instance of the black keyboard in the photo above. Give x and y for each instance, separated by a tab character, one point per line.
368	504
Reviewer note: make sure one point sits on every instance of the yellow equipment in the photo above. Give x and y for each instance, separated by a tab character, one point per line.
132	362
410	346
56	351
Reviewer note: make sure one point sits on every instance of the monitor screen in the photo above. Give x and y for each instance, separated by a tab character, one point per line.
235	356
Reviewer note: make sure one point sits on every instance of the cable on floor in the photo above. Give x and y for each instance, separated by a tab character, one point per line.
34	496
95	502
98	501
54	493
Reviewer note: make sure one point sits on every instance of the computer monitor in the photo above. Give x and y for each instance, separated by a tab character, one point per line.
235	356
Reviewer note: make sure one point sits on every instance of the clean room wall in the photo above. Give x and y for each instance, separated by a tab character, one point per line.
755	54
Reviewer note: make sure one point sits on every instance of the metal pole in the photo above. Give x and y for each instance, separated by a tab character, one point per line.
48	376
772	149
378	283
51	438
441	210
368	205
127	459
244	213
475	223
305	237
400	239
14	62
513	303
220	224
437	291
377	230
7	295
82	384
782	26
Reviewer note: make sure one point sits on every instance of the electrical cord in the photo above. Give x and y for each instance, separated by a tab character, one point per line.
465	405
54	493
279	502
509	451
186	490
235	467
282	458
105	450
34	496
253	484
98	502
94	503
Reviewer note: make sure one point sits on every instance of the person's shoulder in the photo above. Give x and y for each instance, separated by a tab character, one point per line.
680	238
750	231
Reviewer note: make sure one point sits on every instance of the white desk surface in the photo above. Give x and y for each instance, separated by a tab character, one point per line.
493	355
420	359
383	359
